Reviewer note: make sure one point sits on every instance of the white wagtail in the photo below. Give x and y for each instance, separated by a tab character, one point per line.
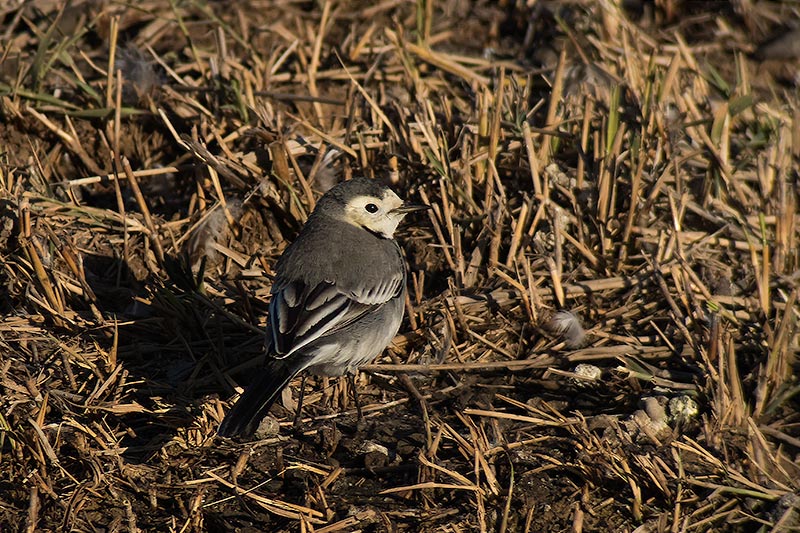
338	295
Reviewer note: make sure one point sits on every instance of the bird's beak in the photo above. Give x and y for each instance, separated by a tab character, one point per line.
410	208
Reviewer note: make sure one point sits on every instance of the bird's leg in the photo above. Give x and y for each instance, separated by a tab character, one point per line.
296	422
356	400
328	395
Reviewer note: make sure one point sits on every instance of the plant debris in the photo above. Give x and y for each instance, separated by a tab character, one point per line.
634	164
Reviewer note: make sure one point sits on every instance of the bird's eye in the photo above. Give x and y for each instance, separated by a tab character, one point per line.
371	208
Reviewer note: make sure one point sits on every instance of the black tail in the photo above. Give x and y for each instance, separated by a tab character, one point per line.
253	405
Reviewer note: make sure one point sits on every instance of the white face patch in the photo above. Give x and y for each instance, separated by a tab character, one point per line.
375	214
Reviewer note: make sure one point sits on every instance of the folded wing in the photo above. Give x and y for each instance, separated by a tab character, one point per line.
301	314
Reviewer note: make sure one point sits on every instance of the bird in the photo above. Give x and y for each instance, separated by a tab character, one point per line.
338	295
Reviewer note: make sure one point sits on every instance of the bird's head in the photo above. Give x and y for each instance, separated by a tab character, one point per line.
369	205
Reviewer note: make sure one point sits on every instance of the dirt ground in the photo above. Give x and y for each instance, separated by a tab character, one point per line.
630	167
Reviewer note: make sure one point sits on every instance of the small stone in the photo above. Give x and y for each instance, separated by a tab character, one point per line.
650	423
586	374
683	409
268	427
375	455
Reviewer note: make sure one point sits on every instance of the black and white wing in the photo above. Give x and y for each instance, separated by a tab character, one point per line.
300	314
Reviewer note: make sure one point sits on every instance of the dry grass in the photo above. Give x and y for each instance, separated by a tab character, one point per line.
639	169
